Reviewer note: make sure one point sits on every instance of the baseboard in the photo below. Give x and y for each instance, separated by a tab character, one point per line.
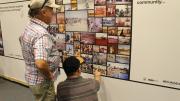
14	80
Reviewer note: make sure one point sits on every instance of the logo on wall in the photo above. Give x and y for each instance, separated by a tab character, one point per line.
99	30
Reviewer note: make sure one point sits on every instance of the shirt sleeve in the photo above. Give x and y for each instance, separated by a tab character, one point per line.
42	48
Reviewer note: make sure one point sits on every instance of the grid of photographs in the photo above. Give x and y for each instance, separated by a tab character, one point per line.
99	30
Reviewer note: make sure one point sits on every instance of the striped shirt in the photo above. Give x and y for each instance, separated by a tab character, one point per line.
37	43
78	89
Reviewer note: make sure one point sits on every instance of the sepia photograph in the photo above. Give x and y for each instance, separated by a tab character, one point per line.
85	4
100	11
69	37
111	57
123	21
105	29
73	6
117	70
100	2
100	68
111	10
124	49
60	18
76	21
124	40
101	39
91	13
59	2
61	28
124	31
88	38
86	49
113	31
99	59
77	36
123	10
122	59
109	21
95	24
112	48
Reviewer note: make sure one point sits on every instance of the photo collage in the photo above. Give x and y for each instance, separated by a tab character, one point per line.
98	30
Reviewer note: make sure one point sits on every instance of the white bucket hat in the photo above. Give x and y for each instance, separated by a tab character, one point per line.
42	3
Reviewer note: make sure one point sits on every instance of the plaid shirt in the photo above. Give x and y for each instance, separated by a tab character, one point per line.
37	43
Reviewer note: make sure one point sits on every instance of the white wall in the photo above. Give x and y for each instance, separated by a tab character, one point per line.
111	89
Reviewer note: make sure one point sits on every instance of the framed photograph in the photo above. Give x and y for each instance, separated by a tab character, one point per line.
87	68
61	28
60	18
111	1
100	2
112	48
86	49
59	2
69	37
101	39
100	11
113	31
88	38
76	21
123	21
124	40
69	49
124	49
105	29
95	48
77	45
85	4
109	21
66	1
111	10
73	6
53	28
112	39
60	41
100	68
123	10
111	57
77	36
87	58
124	31
103	49
118	70
95	24
91	13
123	1
122	59
99	59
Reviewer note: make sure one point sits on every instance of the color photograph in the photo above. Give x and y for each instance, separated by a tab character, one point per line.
60	41
112	48
123	10
69	37
111	57
111	10
124	49
87	49
101	39
88	38
122	59
77	36
100	11
69	49
103	49
87	68
100	2
60	18
95	48
124	40
100	68
123	22
87	58
123	1
113	31
95	24
124	31
99	59
109	21
112	39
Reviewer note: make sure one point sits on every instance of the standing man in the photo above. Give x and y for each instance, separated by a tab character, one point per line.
38	48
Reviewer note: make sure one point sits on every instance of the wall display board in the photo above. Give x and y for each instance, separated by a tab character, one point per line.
13	18
99	30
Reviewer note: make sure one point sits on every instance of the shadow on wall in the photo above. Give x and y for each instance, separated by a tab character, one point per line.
102	94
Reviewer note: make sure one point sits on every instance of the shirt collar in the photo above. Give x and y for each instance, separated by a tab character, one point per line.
39	22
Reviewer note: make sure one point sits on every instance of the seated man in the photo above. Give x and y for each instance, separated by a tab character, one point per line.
75	87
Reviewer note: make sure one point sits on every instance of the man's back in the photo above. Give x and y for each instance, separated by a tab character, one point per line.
78	89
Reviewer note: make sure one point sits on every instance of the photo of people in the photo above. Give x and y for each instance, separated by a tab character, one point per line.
112	39
1	42
124	49
124	40
87	68
103	49
69	49
109	21
111	10
88	38
112	31
111	57
112	48
61	28
123	10
87	49
100	68
85	4
87	58
77	45
100	2
69	37
99	59
77	36
95	24
101	39
123	22
60	41
118	70
95	48
100	11
122	59
76	20
124	31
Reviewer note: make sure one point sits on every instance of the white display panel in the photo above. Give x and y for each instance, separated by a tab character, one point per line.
13	18
155	43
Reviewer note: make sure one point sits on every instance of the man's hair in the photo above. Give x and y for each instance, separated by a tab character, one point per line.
33	12
71	65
